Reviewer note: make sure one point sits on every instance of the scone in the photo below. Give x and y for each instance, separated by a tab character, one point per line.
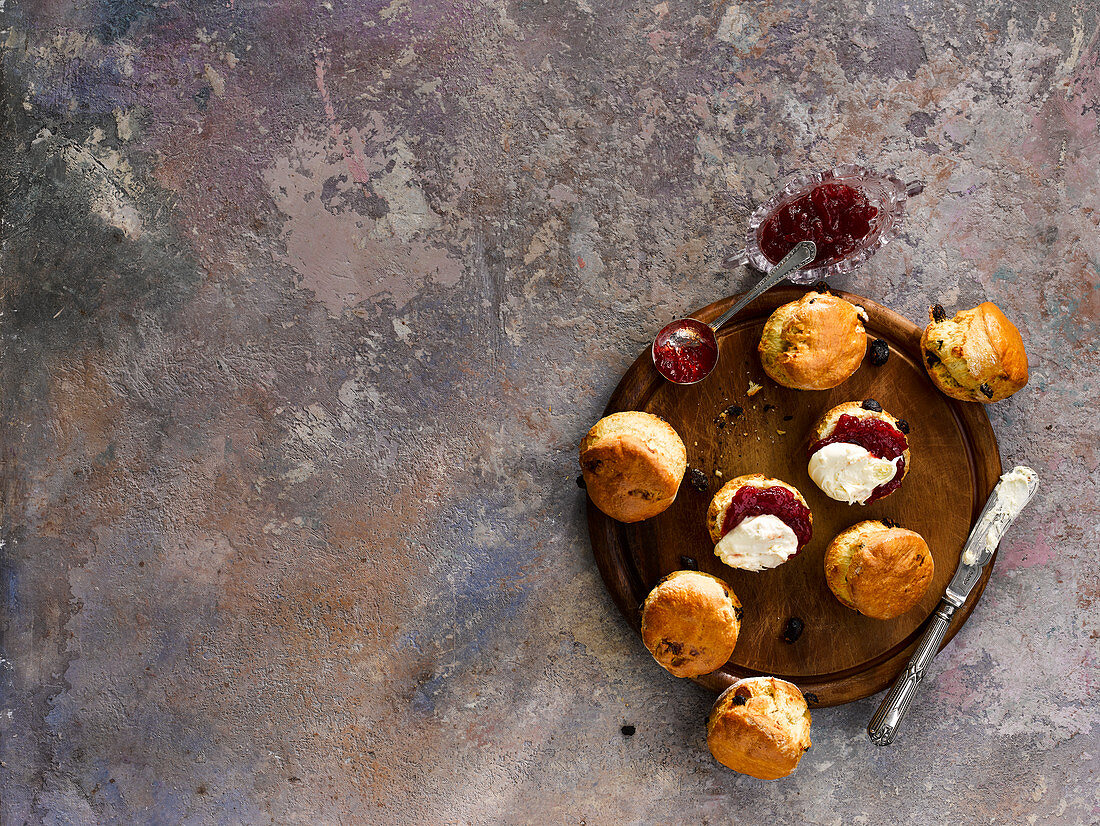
759	726
858	452
977	356
879	569
814	343
633	464
690	623
758	523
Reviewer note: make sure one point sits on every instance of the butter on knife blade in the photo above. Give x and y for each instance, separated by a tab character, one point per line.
1014	491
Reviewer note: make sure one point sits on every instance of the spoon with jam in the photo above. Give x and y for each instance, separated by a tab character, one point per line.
686	350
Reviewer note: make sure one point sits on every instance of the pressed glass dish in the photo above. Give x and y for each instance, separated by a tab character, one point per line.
884	192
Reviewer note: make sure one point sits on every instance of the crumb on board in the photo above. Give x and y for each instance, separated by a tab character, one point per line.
754	388
781	432
718	473
731	412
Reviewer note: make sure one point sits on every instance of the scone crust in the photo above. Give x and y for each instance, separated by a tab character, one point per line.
764	737
690	623
975	347
879	570
827	423
633	463
716	513
814	343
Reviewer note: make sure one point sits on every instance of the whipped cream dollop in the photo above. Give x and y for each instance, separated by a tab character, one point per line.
1014	491
850	473
757	543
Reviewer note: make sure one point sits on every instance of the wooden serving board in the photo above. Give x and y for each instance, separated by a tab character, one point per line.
842	655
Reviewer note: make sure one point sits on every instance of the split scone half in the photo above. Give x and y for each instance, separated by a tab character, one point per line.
758	523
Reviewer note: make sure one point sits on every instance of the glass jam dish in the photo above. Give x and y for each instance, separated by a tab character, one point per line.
877	217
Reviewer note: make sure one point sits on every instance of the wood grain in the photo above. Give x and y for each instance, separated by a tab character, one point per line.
841	656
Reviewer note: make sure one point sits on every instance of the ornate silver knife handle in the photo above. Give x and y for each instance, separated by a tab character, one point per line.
884	725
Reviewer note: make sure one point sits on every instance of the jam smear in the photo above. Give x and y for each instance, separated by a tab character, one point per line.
753	501
836	217
684	351
879	438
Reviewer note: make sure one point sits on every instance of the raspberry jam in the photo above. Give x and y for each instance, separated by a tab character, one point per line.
877	437
836	217
685	351
777	501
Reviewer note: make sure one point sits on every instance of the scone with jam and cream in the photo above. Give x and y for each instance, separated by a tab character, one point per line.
858	452
758	523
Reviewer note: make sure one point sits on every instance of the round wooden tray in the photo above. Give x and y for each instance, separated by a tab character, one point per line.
842	655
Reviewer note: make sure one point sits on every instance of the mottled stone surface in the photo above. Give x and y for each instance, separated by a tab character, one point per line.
306	306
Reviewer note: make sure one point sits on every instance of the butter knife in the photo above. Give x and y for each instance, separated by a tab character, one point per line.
1012	493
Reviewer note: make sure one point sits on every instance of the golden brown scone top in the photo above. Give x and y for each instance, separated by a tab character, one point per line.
690	623
976	356
716	513
633	463
879	569
759	726
814	343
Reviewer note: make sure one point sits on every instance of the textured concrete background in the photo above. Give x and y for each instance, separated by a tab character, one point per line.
306	306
